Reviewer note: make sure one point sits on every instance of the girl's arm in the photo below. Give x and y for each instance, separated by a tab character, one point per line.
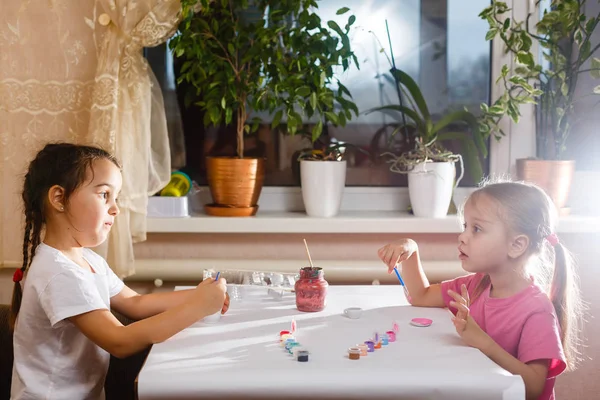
406	251
102	328
533	373
136	306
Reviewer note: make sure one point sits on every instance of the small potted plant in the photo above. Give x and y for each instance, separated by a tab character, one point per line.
429	165
264	56
564	35
323	53
323	176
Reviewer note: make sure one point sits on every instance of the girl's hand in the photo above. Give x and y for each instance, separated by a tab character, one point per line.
465	325
212	295
226	304
394	253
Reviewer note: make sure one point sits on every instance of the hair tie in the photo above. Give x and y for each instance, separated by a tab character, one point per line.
553	239
18	275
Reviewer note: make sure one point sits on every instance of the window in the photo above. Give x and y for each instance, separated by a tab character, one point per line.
440	43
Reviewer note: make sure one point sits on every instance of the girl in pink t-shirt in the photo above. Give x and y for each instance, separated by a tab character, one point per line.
520	305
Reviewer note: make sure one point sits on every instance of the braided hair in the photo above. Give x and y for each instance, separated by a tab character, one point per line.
61	164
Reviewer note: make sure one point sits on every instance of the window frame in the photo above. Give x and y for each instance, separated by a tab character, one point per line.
519	142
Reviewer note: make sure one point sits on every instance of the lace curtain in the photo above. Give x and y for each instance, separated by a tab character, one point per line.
74	71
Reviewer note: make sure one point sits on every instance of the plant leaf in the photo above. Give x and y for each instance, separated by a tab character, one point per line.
313	100
342	10
457	116
316	131
412	114
595	72
277	119
303	91
404	79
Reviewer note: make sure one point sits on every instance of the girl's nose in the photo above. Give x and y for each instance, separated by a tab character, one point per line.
114	210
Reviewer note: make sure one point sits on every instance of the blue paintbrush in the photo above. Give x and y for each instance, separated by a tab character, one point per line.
401	281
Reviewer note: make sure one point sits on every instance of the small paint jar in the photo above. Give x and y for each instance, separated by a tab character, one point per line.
286	341
290	347
285	336
284	333
377	345
297	349
384	339
354	353
391	336
364	349
370	345
289	342
311	290
302	355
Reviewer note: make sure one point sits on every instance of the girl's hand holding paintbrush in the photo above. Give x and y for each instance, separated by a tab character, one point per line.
413	279
396	253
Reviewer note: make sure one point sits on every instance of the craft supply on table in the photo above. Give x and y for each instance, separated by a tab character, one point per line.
384	339
281	333
364	349
370	345
421	322
354	353
311	288
302	356
391	336
353	312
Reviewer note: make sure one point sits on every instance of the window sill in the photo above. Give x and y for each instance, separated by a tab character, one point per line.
345	222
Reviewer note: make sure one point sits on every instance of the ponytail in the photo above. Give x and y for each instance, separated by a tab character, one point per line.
564	294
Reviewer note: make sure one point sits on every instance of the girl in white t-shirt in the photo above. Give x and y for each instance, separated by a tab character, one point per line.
63	327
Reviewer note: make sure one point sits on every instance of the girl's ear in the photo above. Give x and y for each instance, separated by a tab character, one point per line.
56	198
518	246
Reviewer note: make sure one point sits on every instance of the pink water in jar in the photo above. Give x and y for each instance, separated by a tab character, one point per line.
311	290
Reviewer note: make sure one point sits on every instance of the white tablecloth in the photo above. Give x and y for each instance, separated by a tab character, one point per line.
240	356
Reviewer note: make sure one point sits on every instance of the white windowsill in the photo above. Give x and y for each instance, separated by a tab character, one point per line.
345	222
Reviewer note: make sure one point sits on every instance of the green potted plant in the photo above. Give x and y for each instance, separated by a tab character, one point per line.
248	57
321	53
422	155
564	36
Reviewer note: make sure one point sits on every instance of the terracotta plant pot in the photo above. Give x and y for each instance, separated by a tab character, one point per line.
554	177
235	183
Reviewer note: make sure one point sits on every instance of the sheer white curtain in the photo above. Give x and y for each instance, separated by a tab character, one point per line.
74	71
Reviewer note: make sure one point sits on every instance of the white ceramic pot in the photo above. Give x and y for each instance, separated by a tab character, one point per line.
430	187
323	185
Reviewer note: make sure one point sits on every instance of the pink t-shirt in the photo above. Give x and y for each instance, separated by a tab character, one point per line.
525	325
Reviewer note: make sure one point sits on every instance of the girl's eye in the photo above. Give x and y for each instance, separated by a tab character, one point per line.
476	229
464	226
104	195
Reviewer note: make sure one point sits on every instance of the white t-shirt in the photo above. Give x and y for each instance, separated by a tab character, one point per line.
53	359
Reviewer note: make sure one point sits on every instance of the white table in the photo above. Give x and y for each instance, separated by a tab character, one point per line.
240	356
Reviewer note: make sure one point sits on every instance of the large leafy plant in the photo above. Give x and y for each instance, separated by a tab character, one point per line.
564	35
423	137
271	56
